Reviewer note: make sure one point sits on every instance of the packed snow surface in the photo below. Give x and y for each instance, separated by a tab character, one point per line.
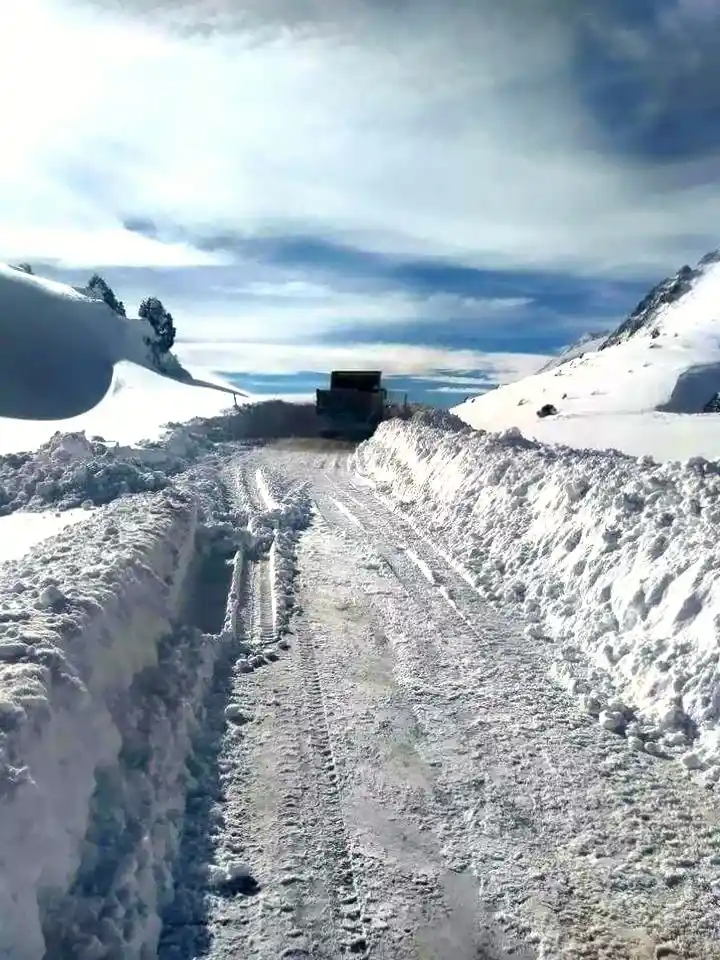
608	557
644	393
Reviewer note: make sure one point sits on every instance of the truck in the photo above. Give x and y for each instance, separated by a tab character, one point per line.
353	406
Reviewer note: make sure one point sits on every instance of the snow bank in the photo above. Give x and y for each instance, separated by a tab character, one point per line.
20	531
71	471
615	559
60	348
98	692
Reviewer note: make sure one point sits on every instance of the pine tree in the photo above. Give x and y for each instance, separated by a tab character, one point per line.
100	290
161	320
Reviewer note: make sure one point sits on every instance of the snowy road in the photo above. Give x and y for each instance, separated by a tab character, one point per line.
251	711
397	777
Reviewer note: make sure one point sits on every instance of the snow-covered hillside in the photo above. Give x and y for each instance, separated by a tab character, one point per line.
587	343
59	349
645	390
137	406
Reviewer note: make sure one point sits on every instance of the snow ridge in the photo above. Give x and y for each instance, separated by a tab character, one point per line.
80	623
614	562
587	343
651	308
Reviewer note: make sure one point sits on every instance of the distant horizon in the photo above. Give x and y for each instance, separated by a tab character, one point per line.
436	391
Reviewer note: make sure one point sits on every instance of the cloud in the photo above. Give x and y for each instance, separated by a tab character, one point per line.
427	129
344	316
394	359
655	81
480	382
99	245
459	390
393	301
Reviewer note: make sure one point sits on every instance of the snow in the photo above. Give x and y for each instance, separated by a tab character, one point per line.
663	436
109	665
101	684
166	559
138	406
64	702
588	343
68	362
614	560
59	347
20	531
444	727
643	395
70	471
102	680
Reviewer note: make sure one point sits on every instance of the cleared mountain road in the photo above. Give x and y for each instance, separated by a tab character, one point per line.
398	777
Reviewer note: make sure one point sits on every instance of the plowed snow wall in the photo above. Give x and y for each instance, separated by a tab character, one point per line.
613	558
80	622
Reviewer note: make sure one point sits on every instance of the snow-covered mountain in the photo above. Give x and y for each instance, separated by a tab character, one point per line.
663	361
587	343
647	316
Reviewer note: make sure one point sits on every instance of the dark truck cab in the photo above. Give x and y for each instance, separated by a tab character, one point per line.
353	406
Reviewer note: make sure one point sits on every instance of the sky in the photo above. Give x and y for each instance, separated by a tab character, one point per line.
453	185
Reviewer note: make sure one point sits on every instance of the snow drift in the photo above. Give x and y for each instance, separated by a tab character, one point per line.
613	559
59	348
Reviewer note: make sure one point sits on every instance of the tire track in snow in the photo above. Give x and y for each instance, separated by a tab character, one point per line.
281	807
266	816
347	513
338	855
456	591
561	821
414	902
282	813
395	557
223	910
263	630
